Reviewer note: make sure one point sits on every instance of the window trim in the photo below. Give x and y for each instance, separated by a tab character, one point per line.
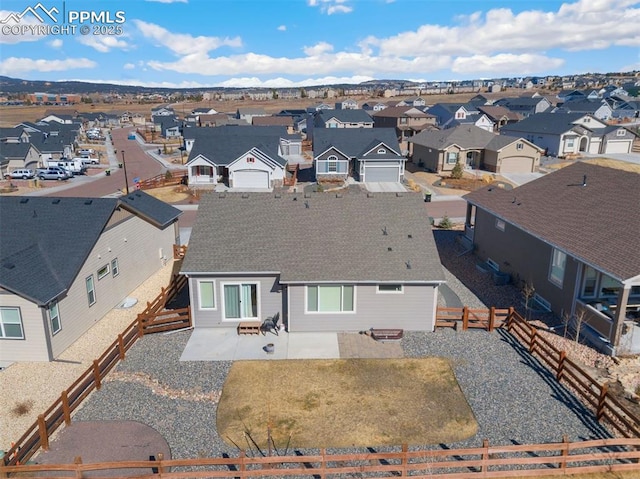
390	291
57	316
106	269
213	286
500	224
520	146
2	324
306	299
552	278
115	267
583	285
455	158
92	291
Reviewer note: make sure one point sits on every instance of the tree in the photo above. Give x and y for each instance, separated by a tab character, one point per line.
457	171
445	223
528	291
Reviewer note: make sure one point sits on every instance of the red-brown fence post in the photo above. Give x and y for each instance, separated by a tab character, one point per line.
604	390
140	326
42	431
66	411
323	464
485	455
121	350
405	460
492	317
532	339
241	464
96	373
465	318
160	459
565	452
561	362
78	462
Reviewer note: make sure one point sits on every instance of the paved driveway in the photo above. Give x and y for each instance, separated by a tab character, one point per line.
384	187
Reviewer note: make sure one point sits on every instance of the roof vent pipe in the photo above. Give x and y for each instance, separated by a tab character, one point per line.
584	180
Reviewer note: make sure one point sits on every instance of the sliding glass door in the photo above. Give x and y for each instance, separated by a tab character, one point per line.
241	301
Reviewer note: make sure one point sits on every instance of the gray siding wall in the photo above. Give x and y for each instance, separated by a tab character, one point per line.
526	258
138	259
430	157
413	310
270	299
34	345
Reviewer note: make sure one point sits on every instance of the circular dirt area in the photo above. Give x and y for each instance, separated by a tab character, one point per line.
106	441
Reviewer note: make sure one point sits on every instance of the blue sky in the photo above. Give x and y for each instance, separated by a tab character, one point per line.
289	43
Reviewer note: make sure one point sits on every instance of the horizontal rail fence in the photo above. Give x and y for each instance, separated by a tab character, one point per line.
561	458
59	412
467	318
163	179
595	395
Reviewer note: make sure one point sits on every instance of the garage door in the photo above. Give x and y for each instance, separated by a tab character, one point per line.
618	147
251	179
381	173
516	164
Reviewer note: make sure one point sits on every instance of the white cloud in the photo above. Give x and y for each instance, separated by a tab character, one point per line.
255	82
103	43
318	49
12	66
128	66
524	64
583	25
57	43
184	44
331	6
282	28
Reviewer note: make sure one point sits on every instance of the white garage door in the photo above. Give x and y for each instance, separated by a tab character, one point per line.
618	147
251	179
516	164
381	173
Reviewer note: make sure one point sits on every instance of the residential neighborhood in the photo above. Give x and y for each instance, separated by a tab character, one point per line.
356	229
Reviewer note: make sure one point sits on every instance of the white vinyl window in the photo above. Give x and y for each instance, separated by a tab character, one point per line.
390	288
102	272
589	282
330	299
11	323
206	294
558	265
519	146
54	317
500	224
452	157
241	301
114	267
332	164
91	290
621	132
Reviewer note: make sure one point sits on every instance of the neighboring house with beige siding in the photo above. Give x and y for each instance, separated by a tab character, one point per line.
573	235
66	262
346	263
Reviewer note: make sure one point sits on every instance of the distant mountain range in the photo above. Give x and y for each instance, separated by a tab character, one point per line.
16	85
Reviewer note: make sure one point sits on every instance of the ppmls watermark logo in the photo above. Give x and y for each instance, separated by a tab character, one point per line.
39	20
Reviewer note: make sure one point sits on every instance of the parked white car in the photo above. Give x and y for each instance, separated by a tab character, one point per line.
24	174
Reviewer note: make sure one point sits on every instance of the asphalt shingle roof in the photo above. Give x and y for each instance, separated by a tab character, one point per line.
345	116
46	240
353	142
598	223
317	237
544	123
465	136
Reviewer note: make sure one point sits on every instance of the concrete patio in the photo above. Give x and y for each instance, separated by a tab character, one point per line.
225	344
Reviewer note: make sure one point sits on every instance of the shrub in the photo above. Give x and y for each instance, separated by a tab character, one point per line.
168	175
457	171
445	223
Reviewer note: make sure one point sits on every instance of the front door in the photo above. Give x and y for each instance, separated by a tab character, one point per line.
241	301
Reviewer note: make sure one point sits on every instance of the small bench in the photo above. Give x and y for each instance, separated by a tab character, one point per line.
386	334
249	327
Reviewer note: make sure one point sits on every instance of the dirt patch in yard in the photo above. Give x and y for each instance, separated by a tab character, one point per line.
171	194
343	403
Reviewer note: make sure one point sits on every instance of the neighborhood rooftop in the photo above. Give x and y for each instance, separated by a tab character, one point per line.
41	253
318	237
589	211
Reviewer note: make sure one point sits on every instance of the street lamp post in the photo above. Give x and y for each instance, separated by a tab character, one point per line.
126	180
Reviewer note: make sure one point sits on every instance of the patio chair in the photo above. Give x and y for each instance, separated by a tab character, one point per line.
271	325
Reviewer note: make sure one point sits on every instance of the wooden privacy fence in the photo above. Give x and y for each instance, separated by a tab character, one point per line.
595	395
152	319
468	318
562	458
